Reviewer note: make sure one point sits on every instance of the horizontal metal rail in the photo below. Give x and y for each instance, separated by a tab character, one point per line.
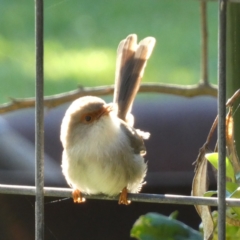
139	197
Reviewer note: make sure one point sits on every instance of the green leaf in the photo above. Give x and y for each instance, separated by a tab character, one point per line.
154	226
213	159
210	193
232	232
231	187
174	215
236	194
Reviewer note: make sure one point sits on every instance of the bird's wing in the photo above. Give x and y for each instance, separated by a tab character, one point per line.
136	140
131	62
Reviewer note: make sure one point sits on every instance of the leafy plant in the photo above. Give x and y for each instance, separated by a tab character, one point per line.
209	219
153	226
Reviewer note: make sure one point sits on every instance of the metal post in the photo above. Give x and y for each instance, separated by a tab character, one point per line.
221	123
39	125
204	43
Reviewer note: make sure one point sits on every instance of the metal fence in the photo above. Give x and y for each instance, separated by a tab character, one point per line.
40	192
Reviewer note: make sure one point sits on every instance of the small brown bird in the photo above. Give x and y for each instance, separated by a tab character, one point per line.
103	153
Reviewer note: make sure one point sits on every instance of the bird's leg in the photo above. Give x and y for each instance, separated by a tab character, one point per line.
123	197
77	196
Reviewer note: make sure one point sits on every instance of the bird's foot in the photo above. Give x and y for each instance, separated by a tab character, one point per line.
123	197
77	196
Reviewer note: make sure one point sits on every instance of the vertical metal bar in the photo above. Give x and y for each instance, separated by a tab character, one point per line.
39	125
221	123
204	44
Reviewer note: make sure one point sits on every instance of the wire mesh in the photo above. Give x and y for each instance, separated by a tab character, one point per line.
39	191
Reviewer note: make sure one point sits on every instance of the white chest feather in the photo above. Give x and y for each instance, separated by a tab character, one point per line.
103	161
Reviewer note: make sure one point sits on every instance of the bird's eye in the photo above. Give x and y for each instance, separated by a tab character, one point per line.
88	118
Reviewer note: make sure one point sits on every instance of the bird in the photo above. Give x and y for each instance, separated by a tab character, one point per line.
102	151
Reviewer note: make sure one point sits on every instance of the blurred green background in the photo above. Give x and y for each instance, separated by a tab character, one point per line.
81	38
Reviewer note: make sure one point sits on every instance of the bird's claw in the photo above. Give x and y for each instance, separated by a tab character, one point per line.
77	196
123	197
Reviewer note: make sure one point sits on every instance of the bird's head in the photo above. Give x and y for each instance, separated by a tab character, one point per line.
85	116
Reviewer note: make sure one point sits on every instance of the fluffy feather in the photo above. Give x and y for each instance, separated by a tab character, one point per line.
103	153
98	158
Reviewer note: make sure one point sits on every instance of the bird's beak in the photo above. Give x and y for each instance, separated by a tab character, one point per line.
106	109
